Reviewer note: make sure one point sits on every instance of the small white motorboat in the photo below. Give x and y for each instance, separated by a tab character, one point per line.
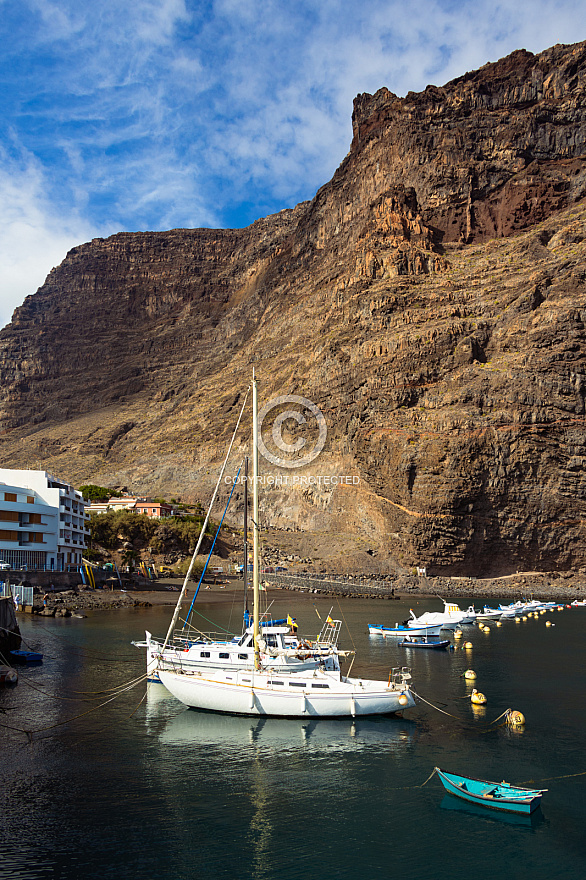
489	614
403	629
451	617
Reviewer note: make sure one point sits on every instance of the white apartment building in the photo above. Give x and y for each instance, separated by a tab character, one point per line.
43	521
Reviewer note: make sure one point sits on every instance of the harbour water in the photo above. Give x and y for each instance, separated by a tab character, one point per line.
143	788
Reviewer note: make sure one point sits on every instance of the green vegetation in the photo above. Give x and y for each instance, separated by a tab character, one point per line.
180	570
174	533
91	492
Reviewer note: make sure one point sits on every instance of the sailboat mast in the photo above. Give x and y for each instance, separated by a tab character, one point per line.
255	532
245	568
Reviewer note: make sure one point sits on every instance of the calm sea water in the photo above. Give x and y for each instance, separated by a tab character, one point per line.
149	790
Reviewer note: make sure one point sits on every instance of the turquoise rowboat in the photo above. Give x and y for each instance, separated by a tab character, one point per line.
494	795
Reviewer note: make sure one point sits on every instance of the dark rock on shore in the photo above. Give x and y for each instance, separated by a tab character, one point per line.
66	602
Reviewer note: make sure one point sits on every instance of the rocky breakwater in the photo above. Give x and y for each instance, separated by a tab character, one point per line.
523	585
431	300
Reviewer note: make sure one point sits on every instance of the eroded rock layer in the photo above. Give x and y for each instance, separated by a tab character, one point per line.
430	300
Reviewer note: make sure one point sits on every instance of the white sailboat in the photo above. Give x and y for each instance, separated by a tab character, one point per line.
281	648
259	689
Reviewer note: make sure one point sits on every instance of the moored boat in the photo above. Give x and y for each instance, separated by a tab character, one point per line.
489	614
507	613
261	690
469	615
449	618
424	642
403	629
493	795
26	657
281	648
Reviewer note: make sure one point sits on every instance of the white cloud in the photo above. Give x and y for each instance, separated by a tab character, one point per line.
35	236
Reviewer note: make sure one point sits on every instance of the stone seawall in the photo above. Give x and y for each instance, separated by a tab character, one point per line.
531	584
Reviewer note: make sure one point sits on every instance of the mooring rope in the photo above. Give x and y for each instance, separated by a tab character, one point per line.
81	653
30	733
456	718
117	689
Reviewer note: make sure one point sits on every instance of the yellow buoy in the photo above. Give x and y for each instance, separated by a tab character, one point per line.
548	622
514	718
458	633
468	645
498	623
470	674
523	618
517	620
486	629
477	698
403	701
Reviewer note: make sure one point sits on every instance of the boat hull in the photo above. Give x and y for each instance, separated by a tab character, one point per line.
258	694
433	644
490	795
26	657
402	631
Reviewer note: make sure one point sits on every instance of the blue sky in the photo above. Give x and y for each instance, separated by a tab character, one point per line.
155	114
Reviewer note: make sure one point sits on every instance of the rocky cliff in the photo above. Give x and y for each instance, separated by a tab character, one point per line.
430	300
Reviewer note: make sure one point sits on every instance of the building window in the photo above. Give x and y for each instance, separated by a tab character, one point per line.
8	536
8	515
10	496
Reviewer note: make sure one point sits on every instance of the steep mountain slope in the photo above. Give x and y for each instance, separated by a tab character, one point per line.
430	300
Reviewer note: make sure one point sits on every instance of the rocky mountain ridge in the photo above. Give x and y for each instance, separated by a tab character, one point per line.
430	300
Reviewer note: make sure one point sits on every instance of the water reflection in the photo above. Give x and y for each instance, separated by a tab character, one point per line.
193	726
531	821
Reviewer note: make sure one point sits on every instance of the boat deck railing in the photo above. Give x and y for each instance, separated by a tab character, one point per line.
400	675
183	638
330	633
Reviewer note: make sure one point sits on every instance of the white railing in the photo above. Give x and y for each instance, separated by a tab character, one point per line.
23	594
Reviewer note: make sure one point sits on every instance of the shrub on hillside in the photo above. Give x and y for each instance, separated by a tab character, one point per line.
91	492
175	533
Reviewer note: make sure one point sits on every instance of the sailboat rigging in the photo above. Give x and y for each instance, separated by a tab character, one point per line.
274	643
261	687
